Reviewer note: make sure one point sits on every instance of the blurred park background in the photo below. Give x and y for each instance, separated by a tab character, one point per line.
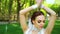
9	15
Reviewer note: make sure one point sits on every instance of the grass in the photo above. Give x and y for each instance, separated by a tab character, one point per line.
15	28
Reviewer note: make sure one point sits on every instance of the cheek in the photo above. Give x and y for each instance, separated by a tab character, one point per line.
36	24
43	23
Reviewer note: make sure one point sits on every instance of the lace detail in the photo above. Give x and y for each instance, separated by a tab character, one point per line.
29	31
31	28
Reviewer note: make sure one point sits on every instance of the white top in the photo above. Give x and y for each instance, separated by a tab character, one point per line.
29	31
32	27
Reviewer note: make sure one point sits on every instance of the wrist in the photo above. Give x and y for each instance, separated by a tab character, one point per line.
42	6
34	6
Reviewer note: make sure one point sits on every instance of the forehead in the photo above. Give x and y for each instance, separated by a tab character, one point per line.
40	17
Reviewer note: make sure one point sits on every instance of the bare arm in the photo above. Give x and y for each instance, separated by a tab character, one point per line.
23	18
51	20
24	11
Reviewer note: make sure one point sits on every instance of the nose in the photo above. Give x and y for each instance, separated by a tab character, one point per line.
41	24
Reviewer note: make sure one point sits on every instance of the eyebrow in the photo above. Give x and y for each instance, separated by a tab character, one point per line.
40	20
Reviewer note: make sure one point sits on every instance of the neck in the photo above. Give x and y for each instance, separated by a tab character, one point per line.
35	28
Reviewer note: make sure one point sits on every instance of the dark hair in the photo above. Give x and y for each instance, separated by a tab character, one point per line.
35	14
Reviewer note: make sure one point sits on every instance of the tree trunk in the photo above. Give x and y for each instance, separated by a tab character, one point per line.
18	9
9	9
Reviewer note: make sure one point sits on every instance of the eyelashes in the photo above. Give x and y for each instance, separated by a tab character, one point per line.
41	21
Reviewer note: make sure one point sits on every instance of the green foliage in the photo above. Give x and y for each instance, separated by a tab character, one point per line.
15	28
9	8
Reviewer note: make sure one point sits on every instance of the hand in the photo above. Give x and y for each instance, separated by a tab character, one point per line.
39	1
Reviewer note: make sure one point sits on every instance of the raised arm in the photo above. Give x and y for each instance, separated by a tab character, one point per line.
22	15
51	20
23	18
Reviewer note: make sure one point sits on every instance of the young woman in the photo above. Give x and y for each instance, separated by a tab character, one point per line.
37	20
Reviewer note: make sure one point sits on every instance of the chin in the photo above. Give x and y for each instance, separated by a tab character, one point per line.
40	27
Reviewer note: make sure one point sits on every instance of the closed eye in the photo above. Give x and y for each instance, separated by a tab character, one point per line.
39	21
44	21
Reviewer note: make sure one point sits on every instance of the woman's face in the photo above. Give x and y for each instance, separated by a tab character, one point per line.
39	21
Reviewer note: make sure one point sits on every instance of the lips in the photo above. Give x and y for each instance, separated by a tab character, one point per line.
41	26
